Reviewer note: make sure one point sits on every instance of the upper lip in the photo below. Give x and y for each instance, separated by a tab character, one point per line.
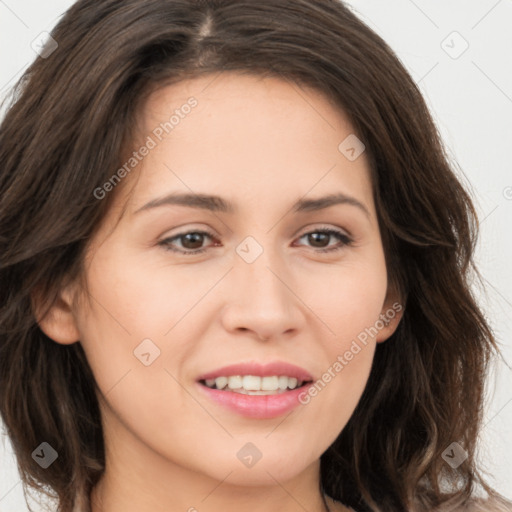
259	369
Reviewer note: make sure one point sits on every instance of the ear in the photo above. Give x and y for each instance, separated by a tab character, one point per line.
391	314
57	321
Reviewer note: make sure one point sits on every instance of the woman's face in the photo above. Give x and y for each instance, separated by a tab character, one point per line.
252	281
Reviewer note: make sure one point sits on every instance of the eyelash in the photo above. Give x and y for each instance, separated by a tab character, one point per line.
345	239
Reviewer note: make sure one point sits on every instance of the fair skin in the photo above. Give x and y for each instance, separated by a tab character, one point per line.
261	144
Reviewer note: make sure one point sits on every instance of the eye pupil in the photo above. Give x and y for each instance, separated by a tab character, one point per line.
314	237
194	237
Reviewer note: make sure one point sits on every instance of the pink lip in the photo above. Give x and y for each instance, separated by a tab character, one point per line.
256	406
262	370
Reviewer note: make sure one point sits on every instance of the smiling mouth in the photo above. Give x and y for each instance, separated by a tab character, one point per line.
255	385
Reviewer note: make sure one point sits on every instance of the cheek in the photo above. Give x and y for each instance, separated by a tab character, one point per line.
141	313
338	389
132	297
348	310
348	299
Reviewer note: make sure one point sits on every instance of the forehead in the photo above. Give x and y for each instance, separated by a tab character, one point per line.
254	140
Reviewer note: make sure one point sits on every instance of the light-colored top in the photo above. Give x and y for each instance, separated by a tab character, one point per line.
473	505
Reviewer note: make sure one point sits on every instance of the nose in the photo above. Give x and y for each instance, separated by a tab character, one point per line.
261	299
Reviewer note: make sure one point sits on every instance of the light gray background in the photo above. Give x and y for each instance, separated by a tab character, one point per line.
471	99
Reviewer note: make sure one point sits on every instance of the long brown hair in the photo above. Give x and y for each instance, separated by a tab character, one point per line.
62	138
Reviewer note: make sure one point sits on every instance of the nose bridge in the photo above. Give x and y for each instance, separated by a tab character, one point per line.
262	272
262	301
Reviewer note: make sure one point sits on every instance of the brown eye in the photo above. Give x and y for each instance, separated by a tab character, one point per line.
191	242
320	239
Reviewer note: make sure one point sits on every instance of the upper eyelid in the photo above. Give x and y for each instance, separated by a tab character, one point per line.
299	233
332	231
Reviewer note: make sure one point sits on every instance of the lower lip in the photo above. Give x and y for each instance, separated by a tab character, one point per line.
256	406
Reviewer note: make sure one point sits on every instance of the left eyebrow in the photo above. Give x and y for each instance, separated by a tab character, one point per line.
218	204
202	201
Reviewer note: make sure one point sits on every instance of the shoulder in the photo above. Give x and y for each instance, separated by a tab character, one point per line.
472	505
336	506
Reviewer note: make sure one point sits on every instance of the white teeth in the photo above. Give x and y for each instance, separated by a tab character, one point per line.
252	384
220	382
270	383
234	382
283	382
